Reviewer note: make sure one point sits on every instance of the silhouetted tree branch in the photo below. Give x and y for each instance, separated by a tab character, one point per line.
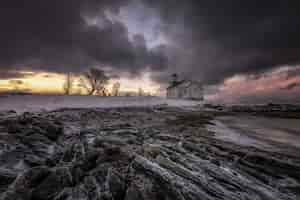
115	89
68	84
94	81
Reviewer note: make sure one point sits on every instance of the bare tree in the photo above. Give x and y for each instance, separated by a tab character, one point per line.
102	92
68	84
78	91
94	81
16	84
115	89
141	92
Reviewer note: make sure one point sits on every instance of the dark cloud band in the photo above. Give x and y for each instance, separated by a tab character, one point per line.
217	39
55	36
206	40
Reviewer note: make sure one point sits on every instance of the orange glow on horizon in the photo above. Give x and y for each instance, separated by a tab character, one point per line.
272	83
39	82
45	82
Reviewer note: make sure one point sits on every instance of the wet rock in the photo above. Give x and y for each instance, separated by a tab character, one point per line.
167	137
31	124
117	185
92	188
89	160
21	188
123	132
143	188
6	178
76	193
77	174
14	158
134	193
53	184
151	150
134	153
38	143
51	130
34	160
259	162
174	186
7	114
109	140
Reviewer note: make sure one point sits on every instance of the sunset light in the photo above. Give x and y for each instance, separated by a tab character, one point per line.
150	100
46	82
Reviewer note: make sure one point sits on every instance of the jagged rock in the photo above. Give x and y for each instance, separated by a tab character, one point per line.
117	185
109	140
143	188
92	188
51	130
151	150
123	132
134	153
134	193
174	186
22	186
6	178
7	114
14	158
53	184
28	125
169	138
76	193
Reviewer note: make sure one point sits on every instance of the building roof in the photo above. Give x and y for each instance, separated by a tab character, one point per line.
177	83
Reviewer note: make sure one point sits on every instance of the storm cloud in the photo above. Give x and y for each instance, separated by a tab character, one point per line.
64	35
212	40
209	41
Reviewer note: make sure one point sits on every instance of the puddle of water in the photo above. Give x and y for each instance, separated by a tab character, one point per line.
260	132
223	132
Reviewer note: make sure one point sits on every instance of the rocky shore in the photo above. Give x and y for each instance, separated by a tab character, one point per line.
291	111
134	154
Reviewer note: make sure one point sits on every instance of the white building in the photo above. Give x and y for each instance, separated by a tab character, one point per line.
185	90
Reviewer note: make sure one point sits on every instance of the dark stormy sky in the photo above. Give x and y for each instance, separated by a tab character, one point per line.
249	49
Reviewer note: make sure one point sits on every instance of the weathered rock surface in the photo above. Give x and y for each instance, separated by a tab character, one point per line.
134	154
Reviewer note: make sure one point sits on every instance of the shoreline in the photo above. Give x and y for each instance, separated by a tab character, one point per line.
135	153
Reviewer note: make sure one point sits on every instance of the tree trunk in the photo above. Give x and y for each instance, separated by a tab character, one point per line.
91	92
